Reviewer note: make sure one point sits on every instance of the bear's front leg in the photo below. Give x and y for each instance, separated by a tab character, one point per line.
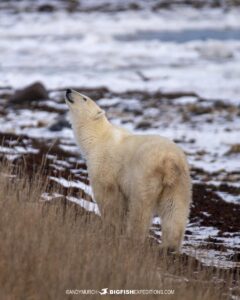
112	205
141	208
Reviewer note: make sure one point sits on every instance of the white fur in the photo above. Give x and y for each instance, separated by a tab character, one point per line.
133	176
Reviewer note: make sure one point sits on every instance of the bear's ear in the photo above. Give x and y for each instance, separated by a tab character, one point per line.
100	113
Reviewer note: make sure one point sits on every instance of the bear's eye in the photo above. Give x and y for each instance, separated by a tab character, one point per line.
85	99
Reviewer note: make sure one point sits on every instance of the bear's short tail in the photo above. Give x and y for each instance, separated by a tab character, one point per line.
172	171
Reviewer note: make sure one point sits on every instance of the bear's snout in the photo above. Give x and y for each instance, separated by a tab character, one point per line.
68	95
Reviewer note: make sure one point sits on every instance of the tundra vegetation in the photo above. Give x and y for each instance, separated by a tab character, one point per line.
48	247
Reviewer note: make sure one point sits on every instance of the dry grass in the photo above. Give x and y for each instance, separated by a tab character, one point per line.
48	248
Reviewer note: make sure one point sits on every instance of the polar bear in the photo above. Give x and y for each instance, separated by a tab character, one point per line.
132	176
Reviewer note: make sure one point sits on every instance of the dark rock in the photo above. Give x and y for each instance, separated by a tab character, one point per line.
136	111
134	6
46	8
221	104
143	125
161	5
33	92
59	125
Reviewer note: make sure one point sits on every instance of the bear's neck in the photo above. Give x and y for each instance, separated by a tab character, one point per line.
90	137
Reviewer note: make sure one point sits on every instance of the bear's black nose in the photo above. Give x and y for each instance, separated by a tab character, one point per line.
68	95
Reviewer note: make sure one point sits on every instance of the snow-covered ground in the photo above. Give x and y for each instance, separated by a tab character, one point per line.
119	50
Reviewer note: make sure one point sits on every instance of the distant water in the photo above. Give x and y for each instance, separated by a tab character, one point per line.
183	36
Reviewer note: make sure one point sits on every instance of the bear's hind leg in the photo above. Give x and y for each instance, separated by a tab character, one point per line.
174	211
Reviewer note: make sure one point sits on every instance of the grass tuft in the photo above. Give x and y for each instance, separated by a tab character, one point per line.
50	247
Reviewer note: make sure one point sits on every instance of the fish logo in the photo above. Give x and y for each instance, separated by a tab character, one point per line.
103	291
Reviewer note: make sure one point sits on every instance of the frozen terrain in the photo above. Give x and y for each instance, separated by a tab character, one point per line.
173	72
167	50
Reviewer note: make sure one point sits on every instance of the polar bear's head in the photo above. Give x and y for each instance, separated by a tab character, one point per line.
83	110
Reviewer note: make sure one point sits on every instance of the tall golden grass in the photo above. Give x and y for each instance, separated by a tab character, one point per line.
50	247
